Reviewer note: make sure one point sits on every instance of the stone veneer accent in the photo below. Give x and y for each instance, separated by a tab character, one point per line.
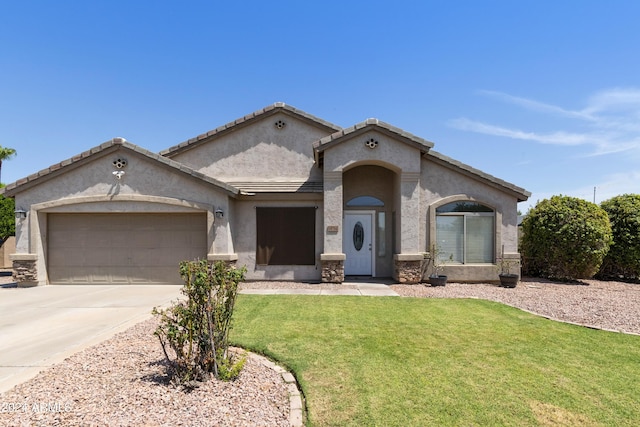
25	270
332	267
333	271
408	268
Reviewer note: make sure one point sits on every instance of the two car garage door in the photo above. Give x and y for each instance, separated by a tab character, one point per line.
119	248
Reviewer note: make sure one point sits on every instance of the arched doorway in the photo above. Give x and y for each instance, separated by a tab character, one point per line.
368	207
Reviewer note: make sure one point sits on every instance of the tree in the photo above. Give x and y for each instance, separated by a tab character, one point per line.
623	259
5	154
565	238
7	218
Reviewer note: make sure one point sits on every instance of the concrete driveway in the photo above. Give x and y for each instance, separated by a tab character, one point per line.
43	325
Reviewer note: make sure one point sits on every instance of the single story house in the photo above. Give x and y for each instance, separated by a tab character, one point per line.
286	194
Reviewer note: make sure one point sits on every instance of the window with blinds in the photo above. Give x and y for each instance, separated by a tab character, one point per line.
465	233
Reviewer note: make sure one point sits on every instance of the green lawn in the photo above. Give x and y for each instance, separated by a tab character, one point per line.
367	361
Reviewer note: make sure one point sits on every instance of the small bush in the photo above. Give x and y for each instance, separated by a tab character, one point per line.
197	330
565	238
623	259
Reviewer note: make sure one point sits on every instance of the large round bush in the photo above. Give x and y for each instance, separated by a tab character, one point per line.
623	259
565	238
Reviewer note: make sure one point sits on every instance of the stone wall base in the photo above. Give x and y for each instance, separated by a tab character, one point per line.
332	271
25	271
408	272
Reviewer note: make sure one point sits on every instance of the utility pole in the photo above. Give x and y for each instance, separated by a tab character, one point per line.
594	195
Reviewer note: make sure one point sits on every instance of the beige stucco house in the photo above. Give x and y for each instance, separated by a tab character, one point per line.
288	195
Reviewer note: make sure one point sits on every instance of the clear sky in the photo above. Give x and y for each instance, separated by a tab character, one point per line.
543	94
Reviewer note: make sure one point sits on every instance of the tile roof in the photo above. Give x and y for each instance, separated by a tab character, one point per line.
111	145
250	118
328	141
446	161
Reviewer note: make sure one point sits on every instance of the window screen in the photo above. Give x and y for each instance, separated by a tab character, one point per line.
285	236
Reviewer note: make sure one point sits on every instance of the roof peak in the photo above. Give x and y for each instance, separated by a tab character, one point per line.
243	121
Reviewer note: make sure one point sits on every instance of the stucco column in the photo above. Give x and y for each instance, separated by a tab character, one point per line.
219	237
332	258
410	213
408	262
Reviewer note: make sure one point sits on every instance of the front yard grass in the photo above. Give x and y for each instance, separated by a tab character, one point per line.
418	362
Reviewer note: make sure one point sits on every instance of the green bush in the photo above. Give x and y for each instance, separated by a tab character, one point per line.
7	217
623	259
565	238
196	331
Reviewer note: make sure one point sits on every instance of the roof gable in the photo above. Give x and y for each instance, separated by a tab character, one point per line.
520	193
106	148
278	107
370	124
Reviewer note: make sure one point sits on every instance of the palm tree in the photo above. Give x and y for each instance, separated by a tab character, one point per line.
5	154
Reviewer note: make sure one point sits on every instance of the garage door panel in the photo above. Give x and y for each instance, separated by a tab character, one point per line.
123	248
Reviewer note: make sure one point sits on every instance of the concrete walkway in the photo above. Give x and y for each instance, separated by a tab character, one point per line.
43	325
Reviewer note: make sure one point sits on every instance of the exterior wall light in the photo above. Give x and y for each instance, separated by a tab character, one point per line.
219	213
20	214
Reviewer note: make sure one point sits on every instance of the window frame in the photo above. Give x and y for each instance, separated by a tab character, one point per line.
274	246
464	215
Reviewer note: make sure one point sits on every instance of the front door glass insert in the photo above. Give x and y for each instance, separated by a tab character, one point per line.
358	236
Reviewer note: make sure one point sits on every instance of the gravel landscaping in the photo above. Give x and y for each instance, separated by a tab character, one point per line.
613	306
122	380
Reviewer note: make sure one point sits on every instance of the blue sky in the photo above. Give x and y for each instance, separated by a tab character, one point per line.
543	94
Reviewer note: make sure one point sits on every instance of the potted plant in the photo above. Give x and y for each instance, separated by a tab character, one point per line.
436	278
507	278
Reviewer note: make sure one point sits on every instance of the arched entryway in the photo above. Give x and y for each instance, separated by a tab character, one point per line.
368	225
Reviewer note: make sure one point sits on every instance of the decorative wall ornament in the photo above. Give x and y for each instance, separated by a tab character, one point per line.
120	163
280	124
371	143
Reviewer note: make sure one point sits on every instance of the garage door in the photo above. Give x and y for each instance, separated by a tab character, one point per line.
123	248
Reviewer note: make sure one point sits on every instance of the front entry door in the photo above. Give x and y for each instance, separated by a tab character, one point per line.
357	242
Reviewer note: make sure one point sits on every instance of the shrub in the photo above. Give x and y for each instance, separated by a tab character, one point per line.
623	259
197	330
565	238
